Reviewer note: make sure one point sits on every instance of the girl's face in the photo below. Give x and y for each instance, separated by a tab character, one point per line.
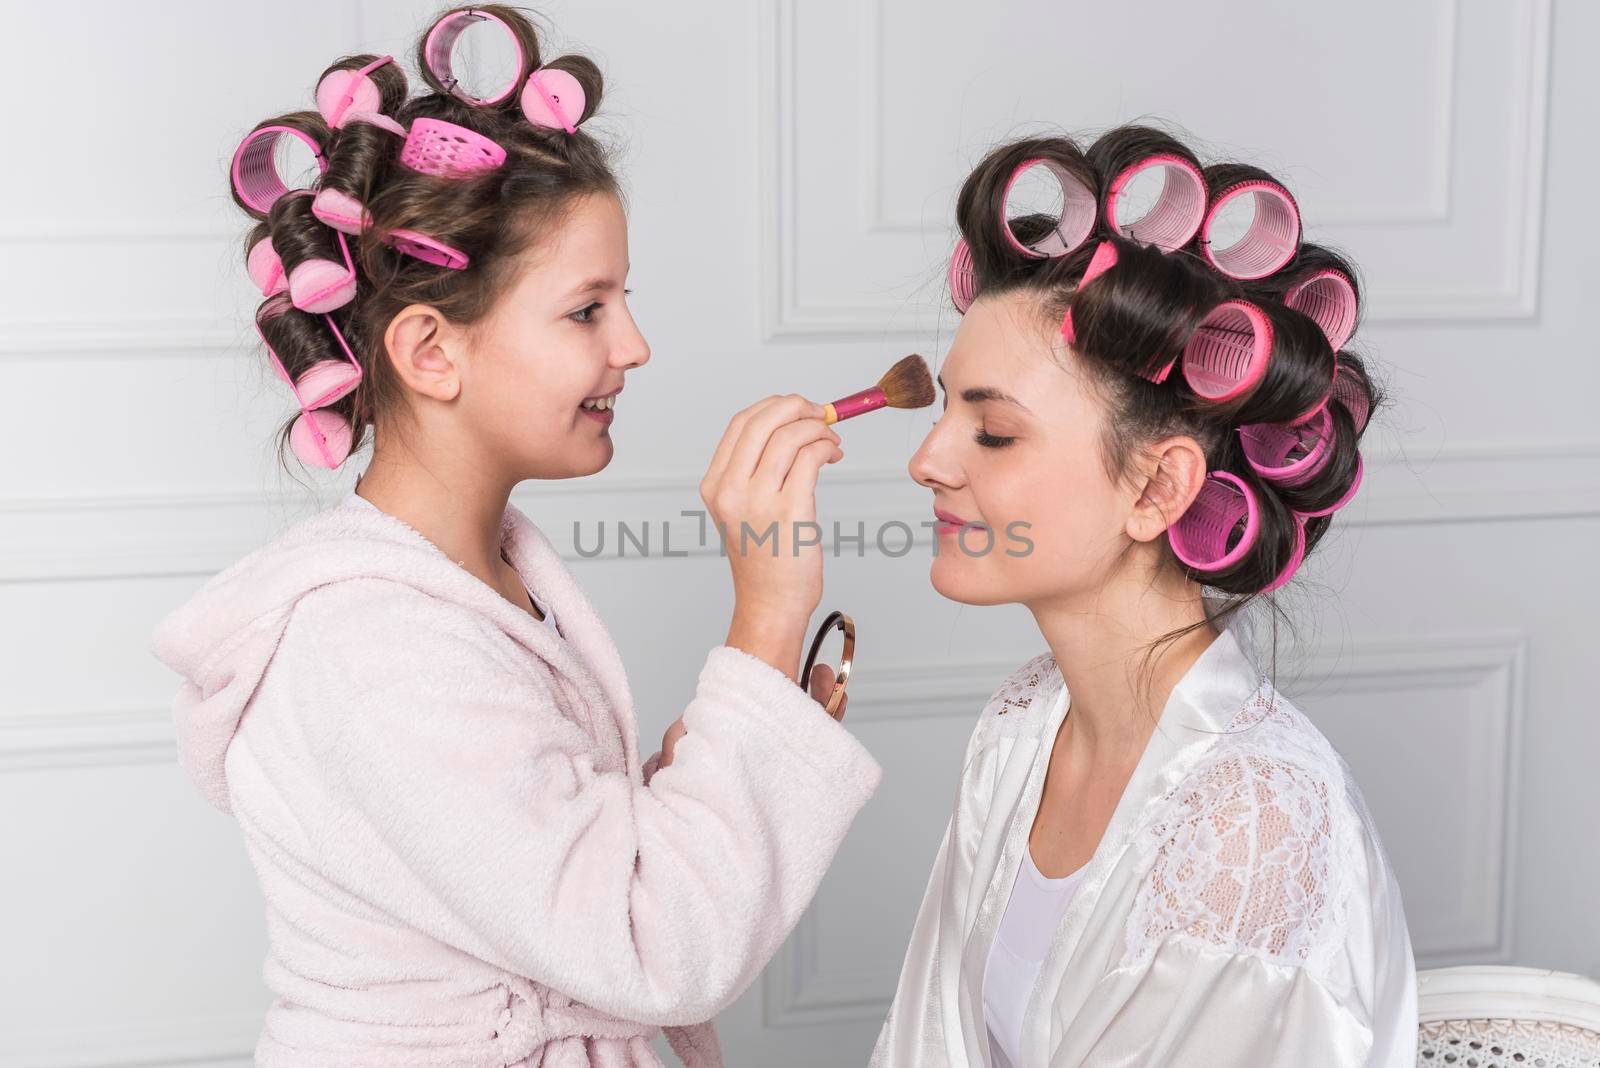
1015	458
559	340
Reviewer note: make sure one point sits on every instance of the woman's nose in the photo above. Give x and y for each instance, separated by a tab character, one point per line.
930	466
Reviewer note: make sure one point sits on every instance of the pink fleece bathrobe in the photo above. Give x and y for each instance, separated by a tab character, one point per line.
463	860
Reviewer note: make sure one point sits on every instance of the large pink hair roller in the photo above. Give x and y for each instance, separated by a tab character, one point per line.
1348	496
1228	353
319	437
1270	240
1352	397
1079	206
1176	215
438	52
963	282
1289	456
1204	536
1104	258
446	150
1329	300
254	170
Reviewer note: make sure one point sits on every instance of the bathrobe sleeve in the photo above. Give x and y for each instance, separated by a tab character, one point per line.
465	803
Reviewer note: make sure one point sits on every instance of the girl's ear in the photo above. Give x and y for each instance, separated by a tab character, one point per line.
1173	471
416	341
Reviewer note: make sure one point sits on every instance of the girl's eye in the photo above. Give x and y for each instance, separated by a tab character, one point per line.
584	314
990	441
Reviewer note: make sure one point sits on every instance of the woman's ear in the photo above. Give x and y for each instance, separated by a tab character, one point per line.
1173	471
419	344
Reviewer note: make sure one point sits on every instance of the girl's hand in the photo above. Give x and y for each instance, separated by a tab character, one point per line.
760	490
821	687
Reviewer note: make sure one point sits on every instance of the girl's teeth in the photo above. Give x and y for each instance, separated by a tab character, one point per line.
603	404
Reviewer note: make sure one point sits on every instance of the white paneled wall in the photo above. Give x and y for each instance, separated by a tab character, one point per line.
792	169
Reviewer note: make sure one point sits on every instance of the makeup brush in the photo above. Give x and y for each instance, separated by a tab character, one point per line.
906	385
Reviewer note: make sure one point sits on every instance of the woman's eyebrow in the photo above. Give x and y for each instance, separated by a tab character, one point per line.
978	394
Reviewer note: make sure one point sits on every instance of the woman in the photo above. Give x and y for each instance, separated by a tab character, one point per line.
406	700
1155	858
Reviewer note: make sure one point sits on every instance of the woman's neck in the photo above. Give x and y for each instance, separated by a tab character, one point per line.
1117	693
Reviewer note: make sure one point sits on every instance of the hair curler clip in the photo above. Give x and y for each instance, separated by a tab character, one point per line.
1227	355
1268	242
963	282
1104	258
1329	300
446	150
427	249
1219	527
254	170
343	94
319	437
1073	225
1177	213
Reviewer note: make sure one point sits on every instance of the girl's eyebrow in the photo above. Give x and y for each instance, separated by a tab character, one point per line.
978	394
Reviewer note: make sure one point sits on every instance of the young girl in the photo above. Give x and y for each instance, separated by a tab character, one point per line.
1155	858
406	700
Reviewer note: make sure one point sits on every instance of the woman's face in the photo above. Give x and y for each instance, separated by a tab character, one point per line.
561	336
1015	458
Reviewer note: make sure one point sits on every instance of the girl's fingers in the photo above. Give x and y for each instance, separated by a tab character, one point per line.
821	683
784	447
759	428
802	476
730	437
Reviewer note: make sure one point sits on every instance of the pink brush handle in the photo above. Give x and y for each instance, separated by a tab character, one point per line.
868	400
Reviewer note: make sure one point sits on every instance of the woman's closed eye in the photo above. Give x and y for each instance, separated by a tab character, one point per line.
991	441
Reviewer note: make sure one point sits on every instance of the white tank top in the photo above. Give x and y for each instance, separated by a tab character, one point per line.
1032	913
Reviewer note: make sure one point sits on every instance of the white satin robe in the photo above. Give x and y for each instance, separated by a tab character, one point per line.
1239	911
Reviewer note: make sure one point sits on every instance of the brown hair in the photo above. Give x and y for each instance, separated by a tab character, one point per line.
1139	315
494	216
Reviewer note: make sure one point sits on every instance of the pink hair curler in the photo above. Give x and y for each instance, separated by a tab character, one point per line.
553	98
1177	213
449	151
318	437
255	169
1201	535
1296	558
1349	494
1104	258
321	285
438	52
1227	356
265	268
343	93
1289	456
963	283
1329	299
430	250
1270	240
1079	206
1353	398
341	211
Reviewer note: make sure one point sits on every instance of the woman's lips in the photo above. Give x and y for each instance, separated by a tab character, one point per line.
948	523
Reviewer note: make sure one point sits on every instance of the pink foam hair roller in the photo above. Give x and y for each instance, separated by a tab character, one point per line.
319	437
1220	527
963	281
1348	392
446	150
1079	206
1296	558
1268	242
428	249
1178	211
1104	258
254	170
1289	456
1329	300
321	285
1348	495
1227	355
341	94
438	52
265	268
341	211
553	98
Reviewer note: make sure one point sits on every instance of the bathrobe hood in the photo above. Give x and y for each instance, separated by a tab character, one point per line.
222	640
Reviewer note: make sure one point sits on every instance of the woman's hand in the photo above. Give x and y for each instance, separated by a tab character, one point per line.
760	490
821	687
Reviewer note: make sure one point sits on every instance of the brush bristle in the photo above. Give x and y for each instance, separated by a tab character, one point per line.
908	384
